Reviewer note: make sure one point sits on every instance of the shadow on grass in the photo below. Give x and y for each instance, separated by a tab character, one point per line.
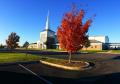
102	79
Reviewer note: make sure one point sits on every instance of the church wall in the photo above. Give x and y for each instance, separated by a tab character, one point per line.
94	46
103	39
43	37
32	46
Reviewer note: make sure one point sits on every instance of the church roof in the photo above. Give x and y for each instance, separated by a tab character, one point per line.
47	26
48	30
95	41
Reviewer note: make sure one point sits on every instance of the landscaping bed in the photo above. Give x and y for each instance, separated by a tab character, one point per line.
63	64
75	64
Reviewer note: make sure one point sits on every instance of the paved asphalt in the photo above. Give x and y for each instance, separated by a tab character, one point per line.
105	71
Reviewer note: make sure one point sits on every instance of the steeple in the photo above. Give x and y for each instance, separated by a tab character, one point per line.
47	26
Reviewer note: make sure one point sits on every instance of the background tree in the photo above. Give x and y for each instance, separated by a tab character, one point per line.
25	45
71	33
12	41
87	42
2	46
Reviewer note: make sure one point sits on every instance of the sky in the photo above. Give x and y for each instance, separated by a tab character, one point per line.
27	17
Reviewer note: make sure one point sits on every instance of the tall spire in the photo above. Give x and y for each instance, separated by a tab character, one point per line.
47	26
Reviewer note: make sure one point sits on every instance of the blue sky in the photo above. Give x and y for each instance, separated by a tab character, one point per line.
27	17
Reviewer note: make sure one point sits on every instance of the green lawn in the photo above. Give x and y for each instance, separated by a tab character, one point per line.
115	51
17	57
52	50
93	51
60	50
22	57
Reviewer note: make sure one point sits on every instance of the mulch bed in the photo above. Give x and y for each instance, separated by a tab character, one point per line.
75	64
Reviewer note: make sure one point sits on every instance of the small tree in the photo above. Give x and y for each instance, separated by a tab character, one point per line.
87	42
71	33
25	45
2	46
12	41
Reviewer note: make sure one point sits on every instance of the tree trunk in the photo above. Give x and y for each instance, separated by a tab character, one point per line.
69	57
26	51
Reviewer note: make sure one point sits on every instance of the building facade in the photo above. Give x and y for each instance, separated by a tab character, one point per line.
103	39
94	45
114	46
48	40
98	43
33	45
47	37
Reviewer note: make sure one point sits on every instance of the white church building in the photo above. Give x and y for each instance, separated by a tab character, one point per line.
48	40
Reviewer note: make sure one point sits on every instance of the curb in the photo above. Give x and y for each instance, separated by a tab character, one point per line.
66	67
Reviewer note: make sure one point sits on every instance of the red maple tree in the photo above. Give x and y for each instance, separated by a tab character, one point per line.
72	32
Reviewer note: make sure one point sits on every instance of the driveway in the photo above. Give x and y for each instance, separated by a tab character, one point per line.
105	71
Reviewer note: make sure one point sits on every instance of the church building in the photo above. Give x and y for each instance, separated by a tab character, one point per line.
48	40
47	36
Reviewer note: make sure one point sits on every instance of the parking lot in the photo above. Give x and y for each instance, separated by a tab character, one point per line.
105	71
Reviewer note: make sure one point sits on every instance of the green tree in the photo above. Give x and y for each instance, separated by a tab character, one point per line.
87	42
2	46
12	41
25	45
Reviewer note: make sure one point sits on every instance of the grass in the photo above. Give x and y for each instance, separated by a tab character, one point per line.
115	51
17	57
53	50
22	57
54	60
61	50
93	51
